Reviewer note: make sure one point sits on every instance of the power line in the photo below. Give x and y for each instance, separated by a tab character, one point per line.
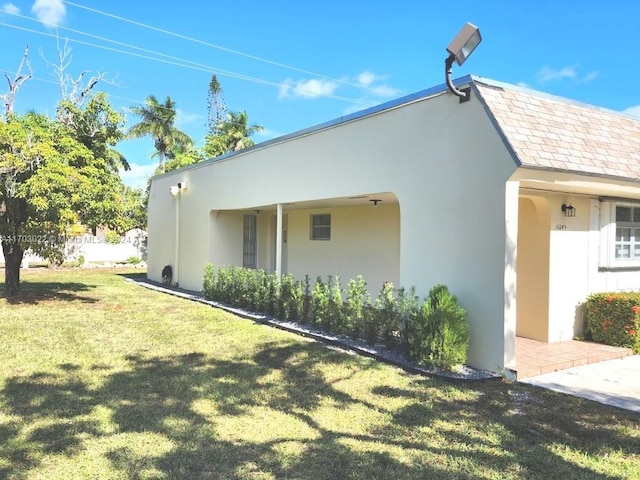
213	45
180	62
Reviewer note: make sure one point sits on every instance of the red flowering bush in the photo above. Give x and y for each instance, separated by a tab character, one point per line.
614	319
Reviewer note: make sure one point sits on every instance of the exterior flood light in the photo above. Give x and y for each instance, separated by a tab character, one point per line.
460	48
175	190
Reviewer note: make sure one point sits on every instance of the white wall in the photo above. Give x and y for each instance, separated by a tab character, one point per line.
441	159
568	265
95	249
363	242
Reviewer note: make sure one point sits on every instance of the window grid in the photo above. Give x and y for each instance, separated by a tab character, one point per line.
627	245
321	227
249	242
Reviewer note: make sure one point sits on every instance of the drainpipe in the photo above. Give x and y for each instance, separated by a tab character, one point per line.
176	192
176	254
279	241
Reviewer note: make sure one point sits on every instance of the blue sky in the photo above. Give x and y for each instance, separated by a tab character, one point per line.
293	64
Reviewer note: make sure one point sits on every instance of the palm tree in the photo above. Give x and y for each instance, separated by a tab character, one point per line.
236	132
158	121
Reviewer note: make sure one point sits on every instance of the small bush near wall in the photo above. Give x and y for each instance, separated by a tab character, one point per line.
440	334
614	319
434	333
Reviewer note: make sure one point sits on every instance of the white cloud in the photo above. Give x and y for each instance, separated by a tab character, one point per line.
313	88
366	78
9	8
547	74
633	111
366	81
184	119
49	12
590	76
138	175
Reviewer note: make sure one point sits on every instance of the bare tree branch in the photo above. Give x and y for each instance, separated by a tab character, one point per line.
9	98
73	90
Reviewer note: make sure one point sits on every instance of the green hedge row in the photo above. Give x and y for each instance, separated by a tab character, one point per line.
614	319
433	332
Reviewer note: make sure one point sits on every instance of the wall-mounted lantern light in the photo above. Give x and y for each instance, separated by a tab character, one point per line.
459	50
568	210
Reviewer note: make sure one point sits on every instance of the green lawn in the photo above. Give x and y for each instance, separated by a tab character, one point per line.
103	379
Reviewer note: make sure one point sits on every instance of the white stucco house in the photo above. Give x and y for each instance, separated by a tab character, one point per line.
520	202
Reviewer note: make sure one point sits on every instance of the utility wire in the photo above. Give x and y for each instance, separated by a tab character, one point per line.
213	45
182	63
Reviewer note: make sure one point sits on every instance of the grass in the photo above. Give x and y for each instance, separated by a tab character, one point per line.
102	379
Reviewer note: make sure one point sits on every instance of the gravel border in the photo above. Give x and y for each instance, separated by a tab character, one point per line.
378	352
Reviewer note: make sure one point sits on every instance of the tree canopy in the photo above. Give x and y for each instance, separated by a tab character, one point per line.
157	120
55	173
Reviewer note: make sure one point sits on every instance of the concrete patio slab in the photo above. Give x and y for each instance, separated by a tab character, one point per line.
612	382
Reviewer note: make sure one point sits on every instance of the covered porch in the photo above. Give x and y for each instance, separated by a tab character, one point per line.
345	236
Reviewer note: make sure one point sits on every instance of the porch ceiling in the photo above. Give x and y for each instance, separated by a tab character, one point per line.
591	185
356	200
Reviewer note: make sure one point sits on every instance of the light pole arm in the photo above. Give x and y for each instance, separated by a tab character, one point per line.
448	64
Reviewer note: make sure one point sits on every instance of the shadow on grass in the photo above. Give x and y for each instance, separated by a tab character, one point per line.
215	415
33	293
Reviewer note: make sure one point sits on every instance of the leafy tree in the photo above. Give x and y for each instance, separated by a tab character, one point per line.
54	174
48	180
134	209
158	121
233	134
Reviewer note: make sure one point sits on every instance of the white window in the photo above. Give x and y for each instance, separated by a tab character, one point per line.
627	244
321	227
620	235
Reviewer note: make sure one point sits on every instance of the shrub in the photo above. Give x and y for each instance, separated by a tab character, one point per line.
130	260
358	299
408	306
336	321
306	300
273	293
256	292
440	333
209	282
386	315
435	333
369	329
320	303
614	319
286	305
81	260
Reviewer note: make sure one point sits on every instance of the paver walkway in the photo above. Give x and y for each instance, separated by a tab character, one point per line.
535	358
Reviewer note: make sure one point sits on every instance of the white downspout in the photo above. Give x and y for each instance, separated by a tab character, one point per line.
176	192
279	241
176	254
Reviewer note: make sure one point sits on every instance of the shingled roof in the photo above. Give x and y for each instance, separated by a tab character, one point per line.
557	134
